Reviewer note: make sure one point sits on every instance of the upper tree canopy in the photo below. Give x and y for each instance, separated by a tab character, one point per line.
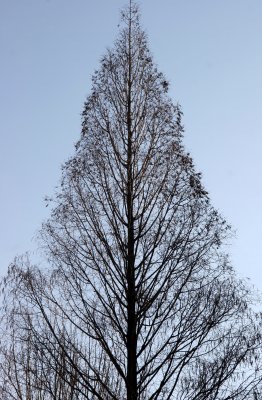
134	245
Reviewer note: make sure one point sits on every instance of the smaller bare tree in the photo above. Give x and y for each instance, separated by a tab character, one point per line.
42	356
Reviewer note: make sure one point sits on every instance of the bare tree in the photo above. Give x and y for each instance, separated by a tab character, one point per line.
135	249
34	366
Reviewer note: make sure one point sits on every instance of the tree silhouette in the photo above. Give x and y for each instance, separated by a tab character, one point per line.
137	268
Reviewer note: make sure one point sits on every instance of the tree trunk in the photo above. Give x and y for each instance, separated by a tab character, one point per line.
131	289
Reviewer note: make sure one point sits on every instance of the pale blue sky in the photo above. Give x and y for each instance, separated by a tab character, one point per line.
210	50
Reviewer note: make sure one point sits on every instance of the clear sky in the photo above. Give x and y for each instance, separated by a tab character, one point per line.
210	51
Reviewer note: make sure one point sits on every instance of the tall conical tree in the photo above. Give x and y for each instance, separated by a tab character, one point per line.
135	251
